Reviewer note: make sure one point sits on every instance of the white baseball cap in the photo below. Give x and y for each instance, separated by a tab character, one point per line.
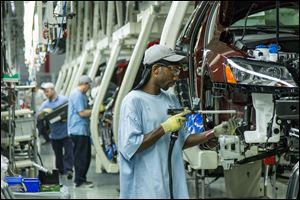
47	85
160	52
85	79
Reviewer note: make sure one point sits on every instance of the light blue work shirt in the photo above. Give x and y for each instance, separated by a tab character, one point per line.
145	174
58	130
78	125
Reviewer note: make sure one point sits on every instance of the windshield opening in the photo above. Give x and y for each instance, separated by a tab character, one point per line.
287	17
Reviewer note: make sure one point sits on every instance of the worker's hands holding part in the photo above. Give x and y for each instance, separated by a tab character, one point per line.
44	112
175	122
226	127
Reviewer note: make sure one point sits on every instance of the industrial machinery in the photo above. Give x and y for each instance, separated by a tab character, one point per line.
18	133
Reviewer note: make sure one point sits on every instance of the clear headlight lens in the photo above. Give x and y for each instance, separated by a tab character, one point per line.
241	75
251	72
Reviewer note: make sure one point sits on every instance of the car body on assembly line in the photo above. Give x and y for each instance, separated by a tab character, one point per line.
244	56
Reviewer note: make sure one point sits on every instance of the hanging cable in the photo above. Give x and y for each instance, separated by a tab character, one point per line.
253	5
61	27
174	136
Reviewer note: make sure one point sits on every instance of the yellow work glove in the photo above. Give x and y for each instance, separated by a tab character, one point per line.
226	128
101	108
47	110
175	122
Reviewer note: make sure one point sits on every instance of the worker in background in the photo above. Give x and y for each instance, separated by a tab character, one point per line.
61	142
145	127
38	98
109	93
110	89
97	85
79	130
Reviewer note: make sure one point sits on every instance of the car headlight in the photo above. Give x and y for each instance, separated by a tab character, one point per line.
258	73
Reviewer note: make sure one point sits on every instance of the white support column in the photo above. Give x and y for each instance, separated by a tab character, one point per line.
90	20
60	78
79	28
133	67
71	79
80	69
129	11
63	79
60	74
85	22
96	20
110	18
39	25
67	80
96	62
173	23
119	13
103	14
73	39
109	166
68	42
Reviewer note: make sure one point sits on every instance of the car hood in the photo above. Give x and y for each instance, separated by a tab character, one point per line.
232	11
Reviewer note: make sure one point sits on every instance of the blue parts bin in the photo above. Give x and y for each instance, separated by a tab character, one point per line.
24	184
32	184
13	180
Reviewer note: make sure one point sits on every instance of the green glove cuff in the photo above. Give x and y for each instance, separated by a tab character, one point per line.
165	127
226	128
220	129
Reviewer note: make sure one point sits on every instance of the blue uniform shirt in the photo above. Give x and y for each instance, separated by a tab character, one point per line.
78	125
58	130
145	174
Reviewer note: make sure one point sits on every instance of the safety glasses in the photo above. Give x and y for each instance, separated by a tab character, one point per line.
174	70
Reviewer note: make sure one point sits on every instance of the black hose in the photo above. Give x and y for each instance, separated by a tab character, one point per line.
38	155
277	24
253	5
172	142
